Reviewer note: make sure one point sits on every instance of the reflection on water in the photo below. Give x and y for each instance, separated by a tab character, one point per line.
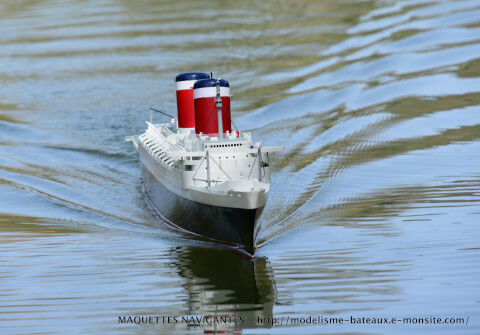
374	204
221	283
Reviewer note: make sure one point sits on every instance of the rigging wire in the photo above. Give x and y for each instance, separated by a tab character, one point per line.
228	115
161	112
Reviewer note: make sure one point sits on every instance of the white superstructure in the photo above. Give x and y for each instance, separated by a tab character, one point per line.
228	172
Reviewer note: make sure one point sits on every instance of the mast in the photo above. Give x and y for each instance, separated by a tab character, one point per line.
218	102
208	169
259	158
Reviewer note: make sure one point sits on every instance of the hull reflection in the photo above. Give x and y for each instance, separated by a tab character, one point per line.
224	287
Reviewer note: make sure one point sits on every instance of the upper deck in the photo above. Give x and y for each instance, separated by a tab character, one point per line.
205	160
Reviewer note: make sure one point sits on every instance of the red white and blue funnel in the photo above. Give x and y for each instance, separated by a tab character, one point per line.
206	119
185	102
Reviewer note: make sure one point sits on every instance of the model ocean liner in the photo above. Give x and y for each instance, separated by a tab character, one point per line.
199	175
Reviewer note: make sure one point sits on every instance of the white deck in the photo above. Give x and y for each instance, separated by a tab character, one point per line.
215	172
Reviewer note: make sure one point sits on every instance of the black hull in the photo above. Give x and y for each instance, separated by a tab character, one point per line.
228	226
